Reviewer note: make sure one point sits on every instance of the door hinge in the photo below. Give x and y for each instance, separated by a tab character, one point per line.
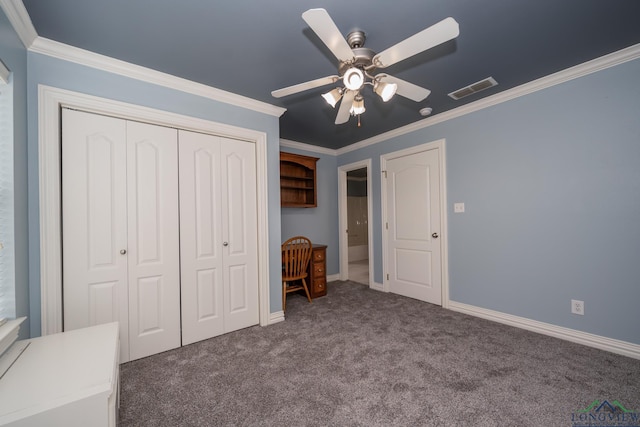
387	276
385	173
386	225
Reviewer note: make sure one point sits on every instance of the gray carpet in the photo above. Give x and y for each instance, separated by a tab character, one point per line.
359	357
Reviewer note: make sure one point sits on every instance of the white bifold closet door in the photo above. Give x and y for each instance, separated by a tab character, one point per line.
218	235
121	230
153	239
94	223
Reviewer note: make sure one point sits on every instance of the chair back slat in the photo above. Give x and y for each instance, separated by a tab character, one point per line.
296	254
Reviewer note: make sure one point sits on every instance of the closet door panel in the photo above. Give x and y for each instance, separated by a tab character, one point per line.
238	299
94	222
239	215
153	239
201	242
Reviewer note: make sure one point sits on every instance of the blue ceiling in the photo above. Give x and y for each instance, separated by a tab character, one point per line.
251	47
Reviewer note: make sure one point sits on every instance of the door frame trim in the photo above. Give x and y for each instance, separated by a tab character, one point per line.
50	102
343	241
444	235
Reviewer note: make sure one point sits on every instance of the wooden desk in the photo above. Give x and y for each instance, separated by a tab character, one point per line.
317	271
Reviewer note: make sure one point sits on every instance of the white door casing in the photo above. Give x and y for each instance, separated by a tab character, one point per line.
94	220
218	235
412	226
153	239
50	101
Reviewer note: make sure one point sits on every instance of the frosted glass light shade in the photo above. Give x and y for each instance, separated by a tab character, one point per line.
353	78
385	90
358	106
333	96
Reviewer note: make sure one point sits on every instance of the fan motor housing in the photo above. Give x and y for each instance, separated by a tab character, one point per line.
363	59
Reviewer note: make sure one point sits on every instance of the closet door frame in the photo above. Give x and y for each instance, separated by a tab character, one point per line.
50	102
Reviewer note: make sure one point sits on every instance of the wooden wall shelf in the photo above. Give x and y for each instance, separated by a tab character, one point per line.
298	181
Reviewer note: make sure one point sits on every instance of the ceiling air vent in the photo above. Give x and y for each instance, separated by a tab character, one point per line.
473	88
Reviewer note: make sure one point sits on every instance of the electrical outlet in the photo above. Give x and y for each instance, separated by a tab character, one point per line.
577	307
458	207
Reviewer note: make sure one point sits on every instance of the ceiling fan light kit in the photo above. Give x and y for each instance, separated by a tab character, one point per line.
353	79
385	90
358	105
357	64
333	96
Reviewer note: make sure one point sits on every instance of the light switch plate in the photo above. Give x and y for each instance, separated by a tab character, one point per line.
458	207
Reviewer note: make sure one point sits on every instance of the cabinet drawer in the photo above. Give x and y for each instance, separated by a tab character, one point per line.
319	270
318	256
319	286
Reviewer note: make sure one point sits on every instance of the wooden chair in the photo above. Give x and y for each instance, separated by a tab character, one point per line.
296	254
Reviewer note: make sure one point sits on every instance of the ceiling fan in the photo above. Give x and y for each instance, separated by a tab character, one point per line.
357	64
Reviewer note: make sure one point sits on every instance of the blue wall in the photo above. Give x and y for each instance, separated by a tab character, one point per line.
14	56
551	186
49	71
318	224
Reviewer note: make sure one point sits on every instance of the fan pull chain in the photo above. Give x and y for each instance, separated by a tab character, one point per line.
358	120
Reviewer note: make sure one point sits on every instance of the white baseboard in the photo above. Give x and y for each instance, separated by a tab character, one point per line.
276	317
603	343
333	277
377	286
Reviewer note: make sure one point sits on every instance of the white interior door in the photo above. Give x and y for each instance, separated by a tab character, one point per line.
218	226
94	222
413	218
239	233
153	239
200	237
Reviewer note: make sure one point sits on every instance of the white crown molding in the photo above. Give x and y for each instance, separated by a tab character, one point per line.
19	18
611	60
94	60
306	147
603	343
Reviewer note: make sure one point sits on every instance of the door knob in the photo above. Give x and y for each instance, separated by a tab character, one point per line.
225	244
434	235
123	251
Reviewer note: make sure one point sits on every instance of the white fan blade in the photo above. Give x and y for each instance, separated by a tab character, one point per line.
322	24
439	33
406	89
300	87
345	106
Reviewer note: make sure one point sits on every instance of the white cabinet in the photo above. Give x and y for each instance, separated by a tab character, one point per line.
159	232
64	380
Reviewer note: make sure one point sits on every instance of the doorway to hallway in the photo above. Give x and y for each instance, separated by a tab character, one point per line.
355	228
